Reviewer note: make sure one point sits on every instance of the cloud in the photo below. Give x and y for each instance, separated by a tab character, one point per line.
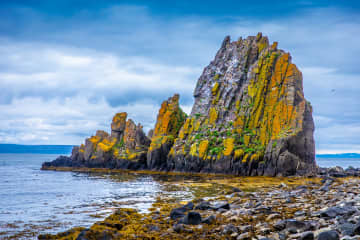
126	58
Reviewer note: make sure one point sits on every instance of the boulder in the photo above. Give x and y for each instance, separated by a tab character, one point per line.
328	235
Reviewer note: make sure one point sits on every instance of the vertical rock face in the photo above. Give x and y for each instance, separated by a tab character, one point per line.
169	121
250	116
118	125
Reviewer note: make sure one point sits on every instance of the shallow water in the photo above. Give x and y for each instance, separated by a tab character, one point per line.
342	162
51	201
35	201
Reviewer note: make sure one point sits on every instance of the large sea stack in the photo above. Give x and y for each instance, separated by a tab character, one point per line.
250	117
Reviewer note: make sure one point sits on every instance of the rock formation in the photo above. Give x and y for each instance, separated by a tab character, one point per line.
169	121
250	117
126	147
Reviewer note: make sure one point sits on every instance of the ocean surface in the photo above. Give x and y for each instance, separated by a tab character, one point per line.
35	201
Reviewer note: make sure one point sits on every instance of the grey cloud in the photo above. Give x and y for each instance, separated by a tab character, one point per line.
126	59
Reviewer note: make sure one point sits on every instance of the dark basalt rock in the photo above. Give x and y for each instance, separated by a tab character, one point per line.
307	236
192	218
328	235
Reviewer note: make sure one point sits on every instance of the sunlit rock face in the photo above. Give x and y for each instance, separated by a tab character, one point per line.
126	148
250	116
168	123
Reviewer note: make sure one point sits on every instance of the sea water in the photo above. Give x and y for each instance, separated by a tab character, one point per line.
34	201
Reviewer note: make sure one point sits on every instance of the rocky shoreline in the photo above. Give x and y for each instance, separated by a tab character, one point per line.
323	207
250	118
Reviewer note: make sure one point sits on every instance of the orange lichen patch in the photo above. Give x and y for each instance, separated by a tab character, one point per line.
244	160
193	149
116	152
238	153
132	156
187	128
263	43
237	104
251	88
247	140
119	120
213	114
203	147
254	157
95	139
274	46
119	117
170	117
197	125
239	124
106	145
229	146
157	141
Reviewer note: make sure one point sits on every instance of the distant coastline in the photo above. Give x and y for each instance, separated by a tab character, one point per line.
66	149
339	155
37	149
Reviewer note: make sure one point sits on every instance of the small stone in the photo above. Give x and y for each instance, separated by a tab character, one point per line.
177	213
204	205
178	228
273	216
192	218
328	235
229	229
246	228
222	205
307	236
209	219
356	229
243	236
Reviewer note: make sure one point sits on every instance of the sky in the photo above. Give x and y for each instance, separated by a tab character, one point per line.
67	66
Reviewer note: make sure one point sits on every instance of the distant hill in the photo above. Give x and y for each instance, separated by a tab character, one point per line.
38	149
339	155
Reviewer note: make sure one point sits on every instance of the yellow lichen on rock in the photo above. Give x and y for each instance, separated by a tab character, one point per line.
215	89
106	145
95	139
238	153
228	146
213	115
193	149
203	147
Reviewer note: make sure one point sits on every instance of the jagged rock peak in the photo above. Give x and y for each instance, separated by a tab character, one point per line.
126	147
250	116
169	121
118	125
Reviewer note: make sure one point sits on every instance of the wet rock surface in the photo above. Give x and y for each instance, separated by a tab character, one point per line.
265	213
